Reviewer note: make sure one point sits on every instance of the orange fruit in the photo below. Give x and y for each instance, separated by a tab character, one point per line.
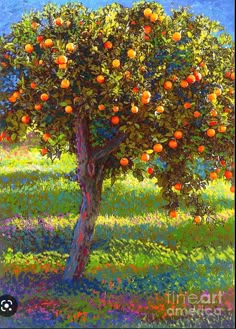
172	144
191	78
198	76
115	108
124	161
228	174
196	114
131	53
33	85
146	94
68	109
62	66
202	64
176	36
37	107
227	74
147	29
213	175
100	79
145	157
173	214
58	21
232	189
150	170
178	186
41	62
178	134
211	132
46	137
25	119
44	97
135	89
70	47
12	99
62	59
227	110
134	109
16	94
168	85
116	63
145	100
160	109
158	148
147	12
217	91
232	76
201	148
34	25
48	43
222	129
29	48
187	105
65	84
108	45
153	17
127	75
101	107
40	38
42	44
213	113
44	151
197	219
212	97
115	120
184	83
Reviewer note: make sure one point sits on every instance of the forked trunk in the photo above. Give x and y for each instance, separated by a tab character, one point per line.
91	172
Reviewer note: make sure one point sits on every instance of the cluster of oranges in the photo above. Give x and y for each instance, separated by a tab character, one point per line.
153	17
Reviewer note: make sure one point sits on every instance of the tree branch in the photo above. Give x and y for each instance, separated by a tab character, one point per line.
109	147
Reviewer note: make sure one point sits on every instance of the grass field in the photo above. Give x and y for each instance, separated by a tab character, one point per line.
138	256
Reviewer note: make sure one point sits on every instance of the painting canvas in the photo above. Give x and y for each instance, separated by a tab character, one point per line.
116	164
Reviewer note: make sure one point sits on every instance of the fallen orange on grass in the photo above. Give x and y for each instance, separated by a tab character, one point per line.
173	214
197	219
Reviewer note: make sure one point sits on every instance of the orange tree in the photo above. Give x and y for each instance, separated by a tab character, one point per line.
125	89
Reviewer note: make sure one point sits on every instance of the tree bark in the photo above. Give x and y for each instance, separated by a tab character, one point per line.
91	172
90	179
83	233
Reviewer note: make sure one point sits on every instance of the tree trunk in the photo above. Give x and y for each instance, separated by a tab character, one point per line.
90	176
91	172
83	233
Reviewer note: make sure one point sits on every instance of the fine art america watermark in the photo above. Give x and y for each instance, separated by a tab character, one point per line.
195	305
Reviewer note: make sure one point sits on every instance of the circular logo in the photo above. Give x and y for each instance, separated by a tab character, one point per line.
8	305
